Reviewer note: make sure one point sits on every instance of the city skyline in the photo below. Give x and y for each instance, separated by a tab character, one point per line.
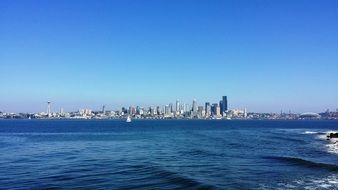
209	107
179	110
266	56
34	107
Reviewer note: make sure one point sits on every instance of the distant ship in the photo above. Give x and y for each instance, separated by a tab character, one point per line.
128	119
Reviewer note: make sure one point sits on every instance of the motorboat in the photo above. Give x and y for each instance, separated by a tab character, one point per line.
128	119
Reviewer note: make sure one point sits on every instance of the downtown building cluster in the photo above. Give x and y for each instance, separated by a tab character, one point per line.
183	110
175	110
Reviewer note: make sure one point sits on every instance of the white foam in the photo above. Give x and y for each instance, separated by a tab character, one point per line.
333	182
328	132
310	132
310	182
332	148
325	134
326	186
322	137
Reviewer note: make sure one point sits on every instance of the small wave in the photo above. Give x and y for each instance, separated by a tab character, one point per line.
140	176
11	139
288	139
305	163
307	182
166	177
200	153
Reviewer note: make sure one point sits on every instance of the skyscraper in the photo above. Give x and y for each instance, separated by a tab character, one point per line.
48	109
218	111
182	108
215	109
200	111
171	108
151	110
186	108
138	110
224	105
221	107
124	110
207	109
103	109
177	105
158	110
194	106
166	110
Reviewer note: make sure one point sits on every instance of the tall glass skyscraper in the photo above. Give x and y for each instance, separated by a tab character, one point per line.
207	109
194	106
224	105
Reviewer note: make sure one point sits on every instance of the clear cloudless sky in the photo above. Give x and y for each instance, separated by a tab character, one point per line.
264	55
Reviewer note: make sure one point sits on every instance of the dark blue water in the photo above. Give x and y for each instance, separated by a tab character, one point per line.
171	154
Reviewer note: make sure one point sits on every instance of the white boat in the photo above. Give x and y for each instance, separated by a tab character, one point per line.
128	119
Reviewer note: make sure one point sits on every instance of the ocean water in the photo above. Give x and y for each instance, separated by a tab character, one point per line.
167	154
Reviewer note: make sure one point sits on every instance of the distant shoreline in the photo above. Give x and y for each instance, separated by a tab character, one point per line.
158	119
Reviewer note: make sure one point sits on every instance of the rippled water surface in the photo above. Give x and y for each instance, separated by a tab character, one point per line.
168	154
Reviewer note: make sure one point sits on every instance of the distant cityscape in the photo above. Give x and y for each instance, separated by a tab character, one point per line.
218	110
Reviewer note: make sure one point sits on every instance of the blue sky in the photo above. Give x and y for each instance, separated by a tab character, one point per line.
264	55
